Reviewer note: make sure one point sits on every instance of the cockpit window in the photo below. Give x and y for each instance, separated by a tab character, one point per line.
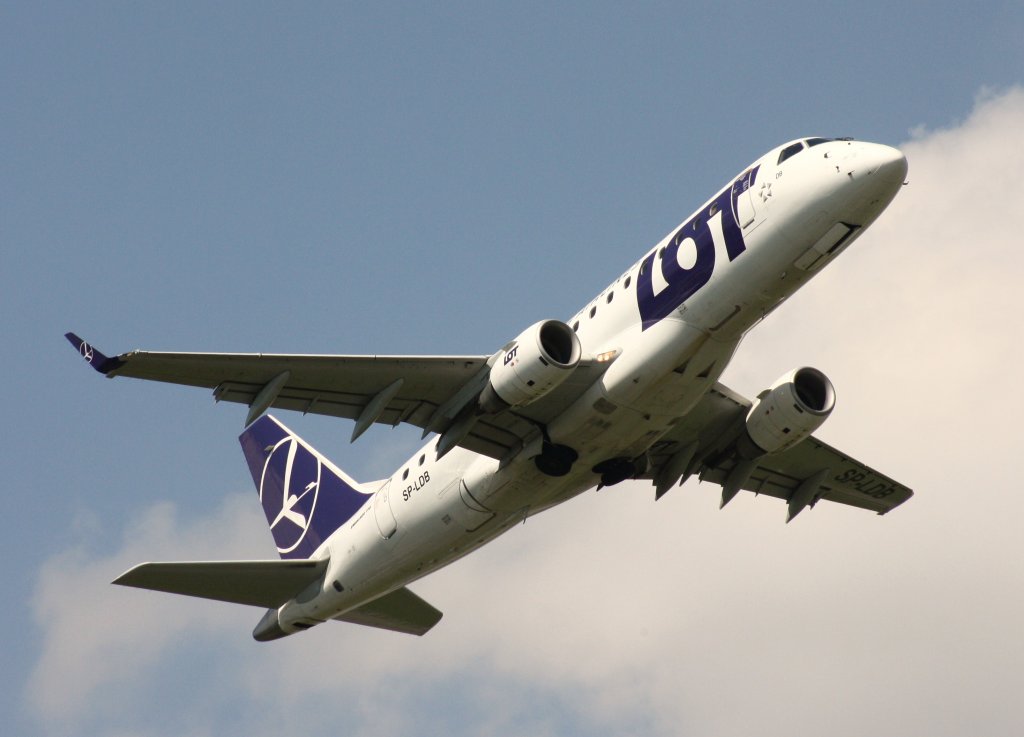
791	150
815	141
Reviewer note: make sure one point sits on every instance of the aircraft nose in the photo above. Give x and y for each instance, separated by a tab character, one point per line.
879	163
875	173
860	179
886	161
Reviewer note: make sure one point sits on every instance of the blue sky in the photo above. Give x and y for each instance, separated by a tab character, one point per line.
358	178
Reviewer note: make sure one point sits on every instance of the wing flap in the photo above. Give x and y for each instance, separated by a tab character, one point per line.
262	583
399	611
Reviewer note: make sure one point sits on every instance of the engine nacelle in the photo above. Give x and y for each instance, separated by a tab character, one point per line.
794	407
541	358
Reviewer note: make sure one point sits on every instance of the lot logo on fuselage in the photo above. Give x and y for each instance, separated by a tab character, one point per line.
696	239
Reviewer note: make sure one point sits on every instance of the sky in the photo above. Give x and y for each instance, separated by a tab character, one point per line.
387	178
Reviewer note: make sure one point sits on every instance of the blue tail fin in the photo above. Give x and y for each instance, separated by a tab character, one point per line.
305	497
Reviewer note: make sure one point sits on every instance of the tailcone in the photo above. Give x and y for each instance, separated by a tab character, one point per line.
269	628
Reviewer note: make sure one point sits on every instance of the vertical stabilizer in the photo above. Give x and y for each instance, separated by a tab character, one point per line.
305	496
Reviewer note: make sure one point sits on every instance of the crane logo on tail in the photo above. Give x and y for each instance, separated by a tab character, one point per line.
289	487
304	496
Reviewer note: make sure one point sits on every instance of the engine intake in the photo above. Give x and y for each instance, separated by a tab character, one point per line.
794	407
533	364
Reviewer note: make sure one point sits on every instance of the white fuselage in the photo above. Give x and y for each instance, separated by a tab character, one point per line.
674	319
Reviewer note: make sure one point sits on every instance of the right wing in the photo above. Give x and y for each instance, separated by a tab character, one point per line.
700	443
426	391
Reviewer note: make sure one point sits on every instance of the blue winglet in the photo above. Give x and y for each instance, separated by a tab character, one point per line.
103	364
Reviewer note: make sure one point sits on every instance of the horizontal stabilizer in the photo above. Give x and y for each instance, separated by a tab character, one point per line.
263	583
399	611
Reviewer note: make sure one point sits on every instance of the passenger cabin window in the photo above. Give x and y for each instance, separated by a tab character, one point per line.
791	150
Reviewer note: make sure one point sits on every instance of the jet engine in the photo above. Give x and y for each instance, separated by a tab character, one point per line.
537	361
794	407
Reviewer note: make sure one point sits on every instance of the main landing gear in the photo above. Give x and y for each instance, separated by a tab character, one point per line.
555	460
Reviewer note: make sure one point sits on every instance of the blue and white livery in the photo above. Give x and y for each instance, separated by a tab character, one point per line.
625	389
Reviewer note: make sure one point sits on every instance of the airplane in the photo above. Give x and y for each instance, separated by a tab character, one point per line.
625	389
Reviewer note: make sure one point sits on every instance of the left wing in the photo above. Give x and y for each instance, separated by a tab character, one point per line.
803	475
426	391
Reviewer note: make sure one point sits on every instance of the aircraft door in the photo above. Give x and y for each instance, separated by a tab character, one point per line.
386	522
744	197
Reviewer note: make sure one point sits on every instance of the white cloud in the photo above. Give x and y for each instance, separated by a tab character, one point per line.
99	636
615	614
